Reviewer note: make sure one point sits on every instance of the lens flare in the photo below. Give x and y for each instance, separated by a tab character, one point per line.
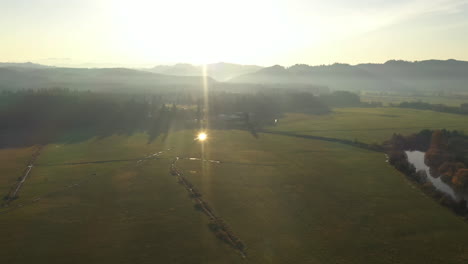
202	136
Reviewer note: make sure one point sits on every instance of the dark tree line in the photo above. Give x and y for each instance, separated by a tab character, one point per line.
266	105
40	116
462	109
346	99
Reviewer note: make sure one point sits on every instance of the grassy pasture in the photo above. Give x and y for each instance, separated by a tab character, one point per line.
291	200
396	99
307	201
13	163
369	125
125	213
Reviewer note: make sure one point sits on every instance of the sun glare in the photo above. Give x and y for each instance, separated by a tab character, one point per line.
202	136
206	31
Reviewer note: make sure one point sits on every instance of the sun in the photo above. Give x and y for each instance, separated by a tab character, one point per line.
157	30
202	136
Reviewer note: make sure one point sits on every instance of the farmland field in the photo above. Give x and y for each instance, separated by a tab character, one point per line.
221	132
290	200
369	125
452	100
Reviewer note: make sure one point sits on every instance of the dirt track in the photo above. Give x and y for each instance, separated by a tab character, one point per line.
217	224
13	194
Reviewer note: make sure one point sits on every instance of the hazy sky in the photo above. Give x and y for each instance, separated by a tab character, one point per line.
134	32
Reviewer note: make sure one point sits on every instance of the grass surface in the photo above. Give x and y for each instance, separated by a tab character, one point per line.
396	99
13	163
369	125
291	200
120	212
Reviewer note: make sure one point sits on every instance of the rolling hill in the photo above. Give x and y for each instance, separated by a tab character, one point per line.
430	75
26	65
106	79
219	71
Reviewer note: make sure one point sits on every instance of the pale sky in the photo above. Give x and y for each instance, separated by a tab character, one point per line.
286	32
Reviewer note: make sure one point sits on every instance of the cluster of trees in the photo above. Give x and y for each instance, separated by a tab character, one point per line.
266	106
418	141
400	161
346	99
448	154
40	116
224	233
341	99
462	109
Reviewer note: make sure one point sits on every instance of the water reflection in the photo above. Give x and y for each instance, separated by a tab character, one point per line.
417	159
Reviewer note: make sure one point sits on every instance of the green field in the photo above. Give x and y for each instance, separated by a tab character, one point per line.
369	125
12	165
291	200
453	100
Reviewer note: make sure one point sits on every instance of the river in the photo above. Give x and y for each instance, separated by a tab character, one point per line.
417	159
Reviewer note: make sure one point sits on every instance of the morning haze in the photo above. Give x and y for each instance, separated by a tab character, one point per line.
234	131
142	32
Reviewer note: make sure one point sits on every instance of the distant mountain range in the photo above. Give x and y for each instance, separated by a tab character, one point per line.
29	65
107	79
393	75
429	75
219	71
